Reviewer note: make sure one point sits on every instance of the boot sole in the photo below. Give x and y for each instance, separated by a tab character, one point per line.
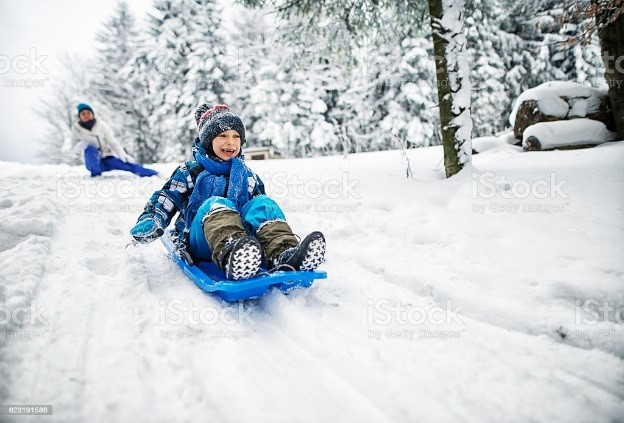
315	253
244	261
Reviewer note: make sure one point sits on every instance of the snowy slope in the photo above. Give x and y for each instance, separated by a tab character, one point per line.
446	300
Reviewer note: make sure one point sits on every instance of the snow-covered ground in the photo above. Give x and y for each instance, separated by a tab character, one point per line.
464	299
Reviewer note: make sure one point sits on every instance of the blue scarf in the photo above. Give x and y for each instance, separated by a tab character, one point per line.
219	178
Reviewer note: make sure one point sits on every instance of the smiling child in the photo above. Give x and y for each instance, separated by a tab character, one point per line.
224	214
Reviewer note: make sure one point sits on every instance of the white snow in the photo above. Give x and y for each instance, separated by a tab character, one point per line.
495	142
568	133
446	299
549	97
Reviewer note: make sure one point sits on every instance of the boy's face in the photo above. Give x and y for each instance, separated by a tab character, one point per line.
227	144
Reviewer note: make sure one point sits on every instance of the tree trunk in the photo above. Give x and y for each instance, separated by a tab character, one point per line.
612	42
451	60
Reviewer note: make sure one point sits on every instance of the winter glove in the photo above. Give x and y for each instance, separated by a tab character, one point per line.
146	230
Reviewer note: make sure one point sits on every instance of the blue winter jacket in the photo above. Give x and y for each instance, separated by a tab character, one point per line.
174	197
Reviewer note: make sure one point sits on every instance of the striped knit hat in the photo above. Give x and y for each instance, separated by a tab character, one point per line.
211	121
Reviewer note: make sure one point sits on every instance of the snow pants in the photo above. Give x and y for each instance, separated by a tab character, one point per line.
97	164
257	211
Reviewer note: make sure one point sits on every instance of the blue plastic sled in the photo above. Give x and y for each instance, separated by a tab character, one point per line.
210	279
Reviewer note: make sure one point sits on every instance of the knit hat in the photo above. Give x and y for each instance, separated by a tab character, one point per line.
84	106
211	121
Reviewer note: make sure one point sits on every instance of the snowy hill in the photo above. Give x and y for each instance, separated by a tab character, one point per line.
474	298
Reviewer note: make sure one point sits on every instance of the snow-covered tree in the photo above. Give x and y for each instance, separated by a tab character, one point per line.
286	93
609	16
188	54
140	79
453	77
293	107
490	99
117	42
392	94
58	111
515	46
587	19
252	48
372	20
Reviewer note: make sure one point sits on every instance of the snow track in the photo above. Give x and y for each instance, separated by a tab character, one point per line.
126	337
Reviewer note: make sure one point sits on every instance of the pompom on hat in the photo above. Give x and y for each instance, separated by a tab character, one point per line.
211	121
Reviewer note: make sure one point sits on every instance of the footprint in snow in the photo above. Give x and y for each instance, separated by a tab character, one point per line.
100	265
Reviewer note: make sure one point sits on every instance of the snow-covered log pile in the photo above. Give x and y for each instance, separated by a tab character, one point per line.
562	114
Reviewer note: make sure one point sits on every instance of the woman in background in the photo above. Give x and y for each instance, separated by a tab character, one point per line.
102	151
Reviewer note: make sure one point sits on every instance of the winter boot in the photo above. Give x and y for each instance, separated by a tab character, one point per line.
236	254
283	251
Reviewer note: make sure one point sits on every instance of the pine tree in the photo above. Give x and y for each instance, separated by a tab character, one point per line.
372	20
392	95
140	78
292	106
490	99
116	43
288	95
516	46
251	46
569	48
188	54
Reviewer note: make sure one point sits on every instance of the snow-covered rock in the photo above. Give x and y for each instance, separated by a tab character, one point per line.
565	133
560	100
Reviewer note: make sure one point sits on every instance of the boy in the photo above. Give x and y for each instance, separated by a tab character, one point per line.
225	215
